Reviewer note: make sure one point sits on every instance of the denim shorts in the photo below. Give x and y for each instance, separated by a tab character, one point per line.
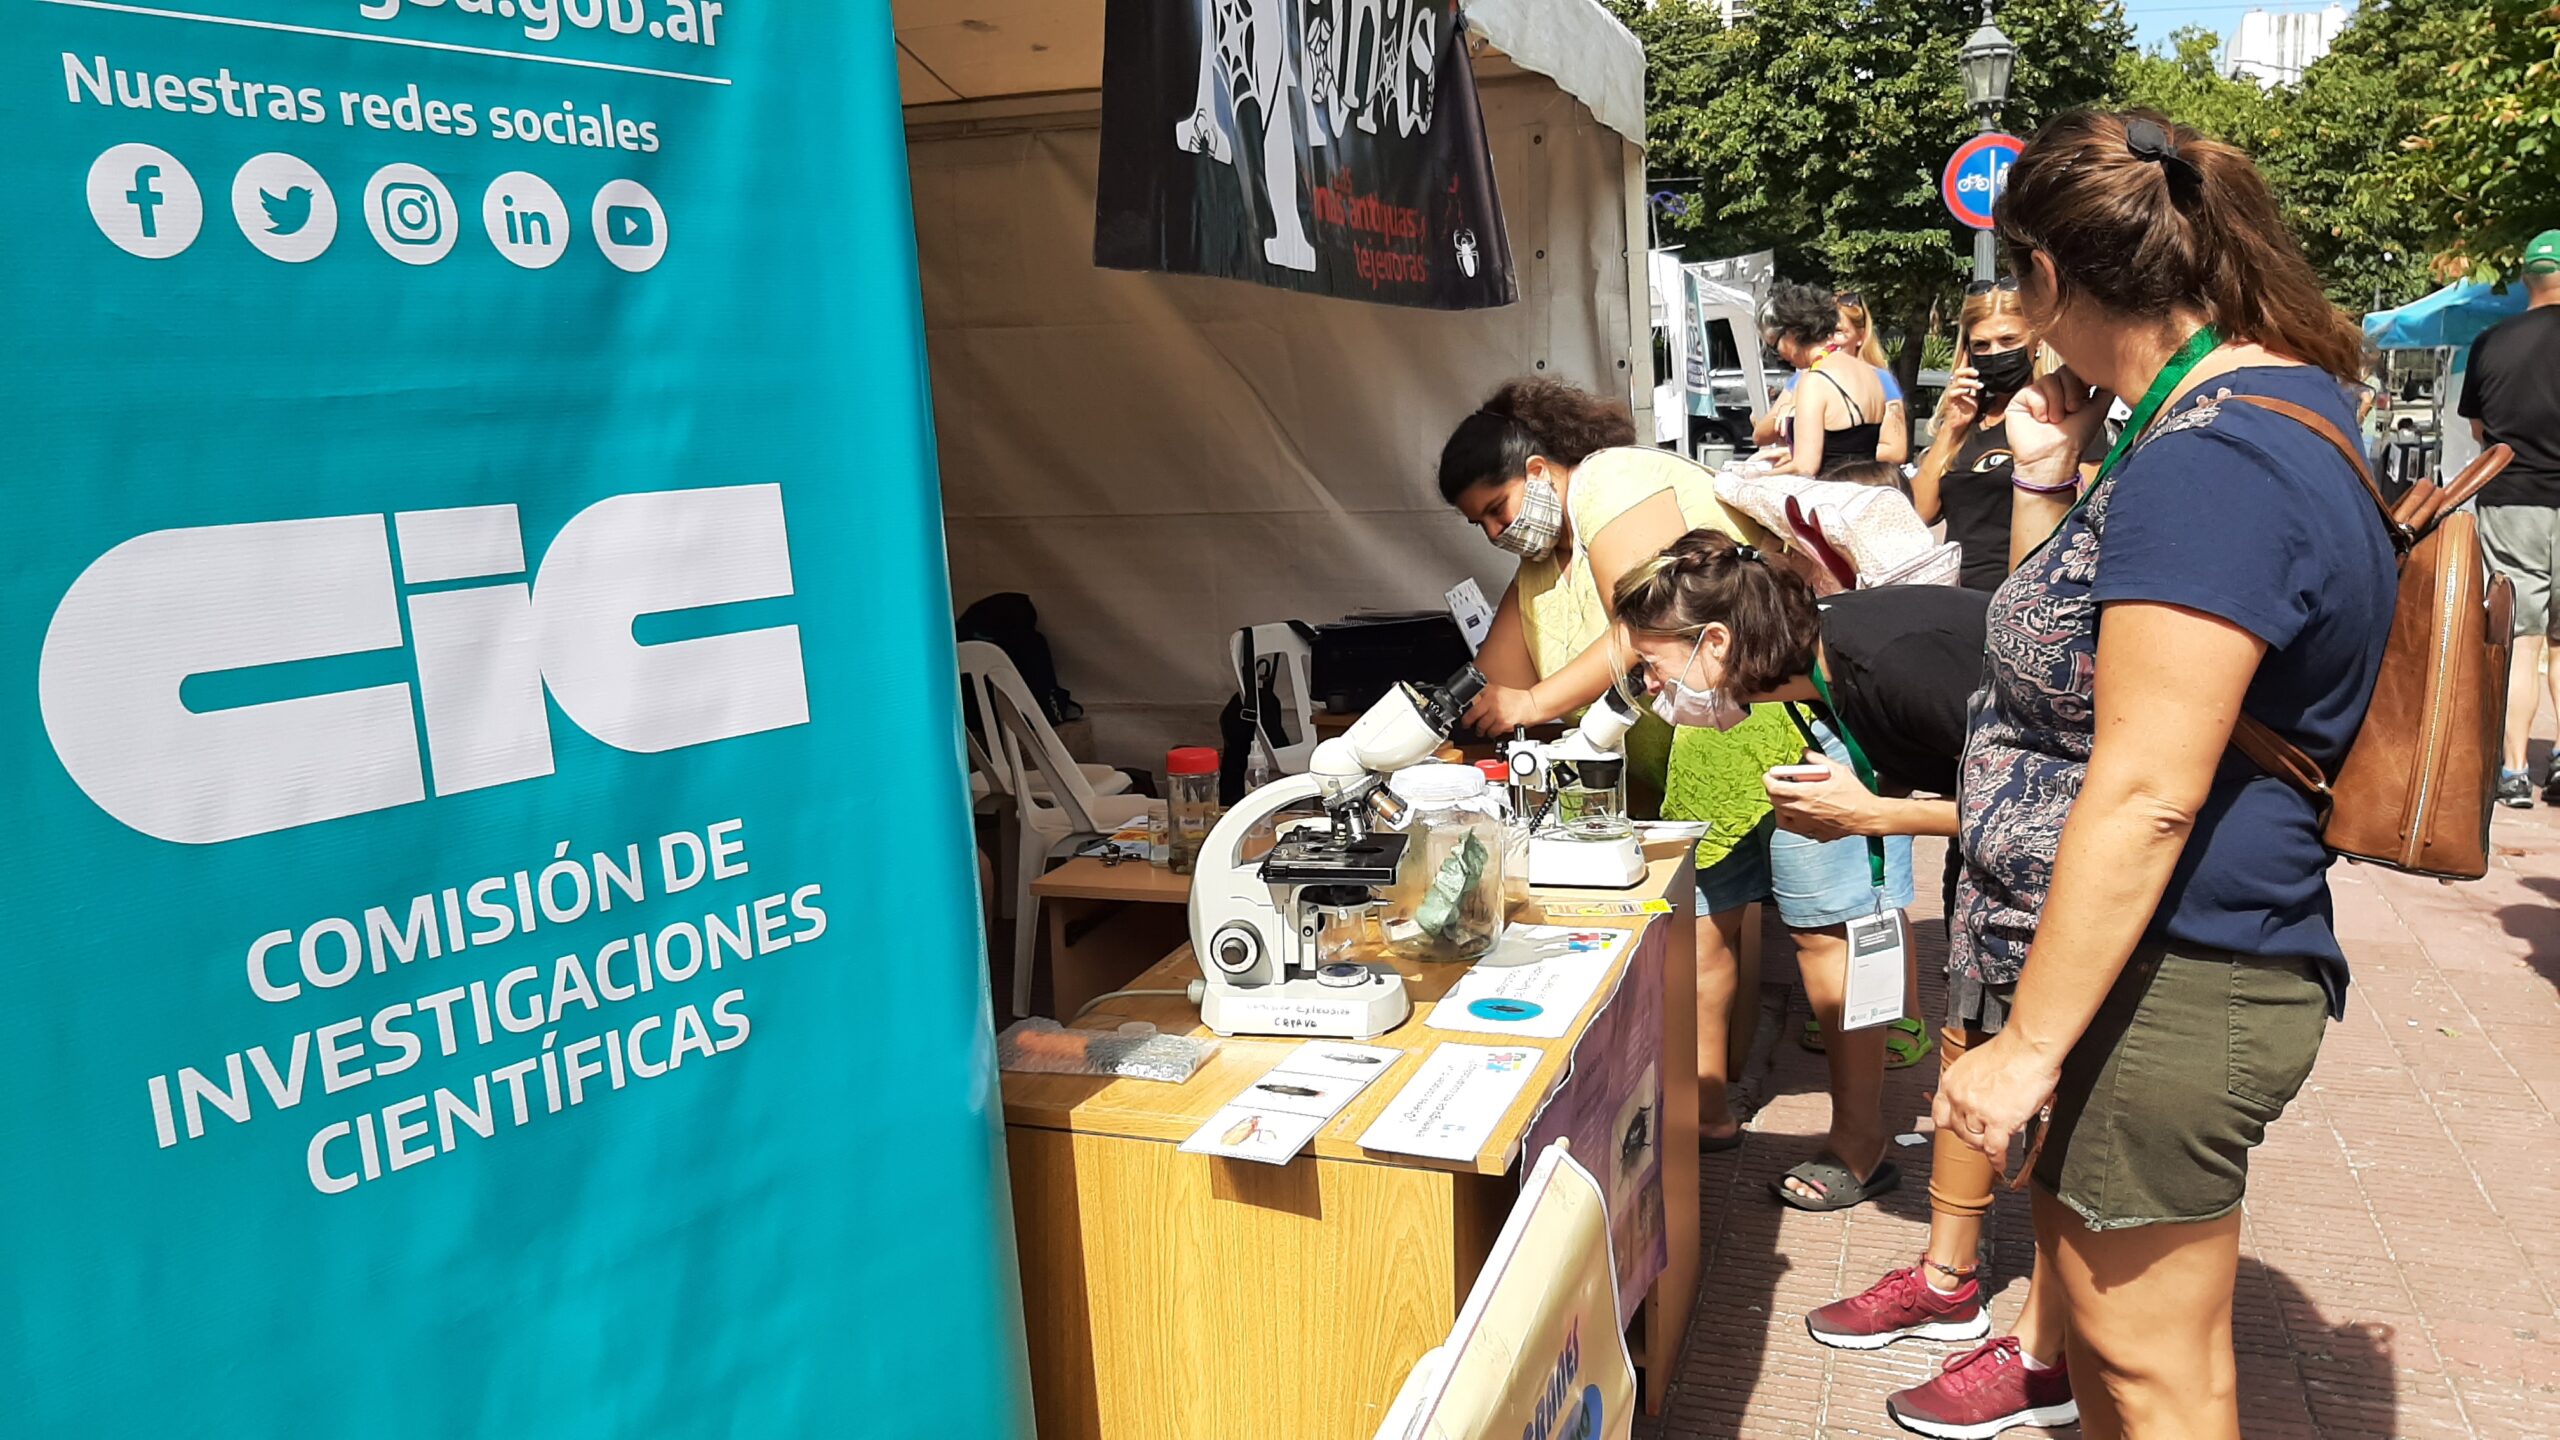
1741	877
1816	883
1819	883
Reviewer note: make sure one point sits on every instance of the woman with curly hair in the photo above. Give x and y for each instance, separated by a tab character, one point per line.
1553	475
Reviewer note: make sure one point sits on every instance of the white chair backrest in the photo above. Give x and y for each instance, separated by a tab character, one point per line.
1282	651
1018	737
977	715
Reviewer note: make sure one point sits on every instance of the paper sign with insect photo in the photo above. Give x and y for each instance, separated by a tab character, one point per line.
1363	1063
1299	1093
1555	973
1247	1132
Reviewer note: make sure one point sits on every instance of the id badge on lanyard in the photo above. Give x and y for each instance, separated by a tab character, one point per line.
1874	990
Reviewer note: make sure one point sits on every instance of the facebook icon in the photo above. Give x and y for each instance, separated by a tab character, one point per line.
145	197
144	201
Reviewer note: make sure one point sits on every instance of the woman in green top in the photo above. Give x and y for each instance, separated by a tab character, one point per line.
1553	475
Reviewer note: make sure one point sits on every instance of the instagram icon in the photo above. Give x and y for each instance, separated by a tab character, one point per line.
410	213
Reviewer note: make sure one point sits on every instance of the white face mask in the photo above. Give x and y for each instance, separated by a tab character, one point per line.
1678	704
1532	533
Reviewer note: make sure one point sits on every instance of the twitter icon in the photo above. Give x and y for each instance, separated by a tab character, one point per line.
284	208
289	212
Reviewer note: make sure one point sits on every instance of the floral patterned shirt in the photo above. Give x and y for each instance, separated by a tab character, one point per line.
2240	514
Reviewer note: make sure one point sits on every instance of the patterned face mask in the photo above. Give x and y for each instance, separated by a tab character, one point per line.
1532	533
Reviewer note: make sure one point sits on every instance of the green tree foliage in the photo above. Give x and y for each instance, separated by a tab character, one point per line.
2322	144
2184	81
2428	138
2319	142
2477	159
1821	126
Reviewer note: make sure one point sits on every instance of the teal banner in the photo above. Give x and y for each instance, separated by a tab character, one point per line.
492	923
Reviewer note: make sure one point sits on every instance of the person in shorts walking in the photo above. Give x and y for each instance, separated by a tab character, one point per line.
2512	398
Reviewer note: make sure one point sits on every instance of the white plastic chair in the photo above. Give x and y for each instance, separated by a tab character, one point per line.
1283	651
988	785
1055	810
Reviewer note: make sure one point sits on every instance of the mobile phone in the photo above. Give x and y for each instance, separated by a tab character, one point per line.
1800	774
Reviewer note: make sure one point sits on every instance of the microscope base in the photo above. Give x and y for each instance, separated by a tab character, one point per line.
1569	863
1309	1007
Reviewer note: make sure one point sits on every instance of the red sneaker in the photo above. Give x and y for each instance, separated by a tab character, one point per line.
1901	1306
1983	1392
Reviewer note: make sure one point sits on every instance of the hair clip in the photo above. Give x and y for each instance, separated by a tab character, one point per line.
2148	141
2151	141
1746	552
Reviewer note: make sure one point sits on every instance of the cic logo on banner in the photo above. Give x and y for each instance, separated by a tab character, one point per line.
162	607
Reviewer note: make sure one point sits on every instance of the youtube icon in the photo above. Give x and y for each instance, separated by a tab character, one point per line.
630	226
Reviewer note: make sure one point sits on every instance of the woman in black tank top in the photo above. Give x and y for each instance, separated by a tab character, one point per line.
1854	443
1833	426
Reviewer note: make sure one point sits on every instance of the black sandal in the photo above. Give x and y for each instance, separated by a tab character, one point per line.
1840	1186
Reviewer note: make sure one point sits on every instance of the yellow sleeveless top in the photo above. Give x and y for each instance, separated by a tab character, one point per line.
1702	775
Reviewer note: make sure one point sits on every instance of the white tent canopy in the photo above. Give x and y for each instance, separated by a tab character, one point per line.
1159	460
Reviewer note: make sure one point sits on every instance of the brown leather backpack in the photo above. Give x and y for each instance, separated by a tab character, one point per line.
2421	774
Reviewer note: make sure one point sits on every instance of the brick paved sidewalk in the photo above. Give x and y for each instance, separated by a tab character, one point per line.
2401	1255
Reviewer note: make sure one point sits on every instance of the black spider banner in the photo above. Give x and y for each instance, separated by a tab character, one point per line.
1331	146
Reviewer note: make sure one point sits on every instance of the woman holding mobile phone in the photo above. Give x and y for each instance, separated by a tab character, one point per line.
1897	668
1966	477
1715	625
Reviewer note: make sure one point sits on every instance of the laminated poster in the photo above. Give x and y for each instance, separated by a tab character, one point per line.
1537	1351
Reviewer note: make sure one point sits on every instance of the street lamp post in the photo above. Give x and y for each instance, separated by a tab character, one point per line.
1986	60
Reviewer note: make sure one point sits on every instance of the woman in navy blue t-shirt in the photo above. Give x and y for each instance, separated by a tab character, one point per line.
2151	911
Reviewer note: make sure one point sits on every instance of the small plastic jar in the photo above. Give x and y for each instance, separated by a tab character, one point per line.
1515	837
1190	804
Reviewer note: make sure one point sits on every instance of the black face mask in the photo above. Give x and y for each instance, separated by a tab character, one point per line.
2006	373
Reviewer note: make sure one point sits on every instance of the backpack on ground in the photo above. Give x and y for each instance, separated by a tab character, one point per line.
2415	790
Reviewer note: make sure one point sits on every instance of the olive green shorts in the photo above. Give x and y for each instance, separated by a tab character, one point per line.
2191	1057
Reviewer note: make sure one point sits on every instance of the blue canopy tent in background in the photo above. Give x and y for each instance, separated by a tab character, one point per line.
2449	319
2453	316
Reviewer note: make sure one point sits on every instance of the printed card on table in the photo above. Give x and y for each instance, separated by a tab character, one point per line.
1533	984
1276	1116
1451	1107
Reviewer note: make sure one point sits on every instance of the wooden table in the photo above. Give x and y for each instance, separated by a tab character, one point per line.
1178	1295
1106	924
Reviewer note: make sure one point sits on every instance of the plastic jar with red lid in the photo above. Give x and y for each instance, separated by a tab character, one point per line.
1190	804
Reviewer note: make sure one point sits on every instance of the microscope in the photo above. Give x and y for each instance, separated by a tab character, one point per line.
1258	927
1573	793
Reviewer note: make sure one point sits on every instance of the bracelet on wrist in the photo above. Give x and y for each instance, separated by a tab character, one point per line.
2064	488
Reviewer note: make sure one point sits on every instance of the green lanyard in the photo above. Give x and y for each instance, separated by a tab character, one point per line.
2202	343
1857	762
